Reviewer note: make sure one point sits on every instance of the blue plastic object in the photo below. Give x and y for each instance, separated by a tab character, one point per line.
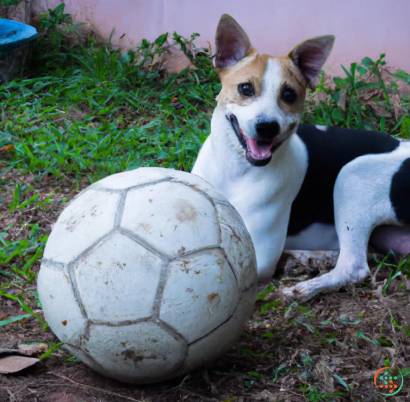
14	34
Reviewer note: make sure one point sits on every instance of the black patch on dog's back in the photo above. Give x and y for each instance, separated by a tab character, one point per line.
328	152
400	192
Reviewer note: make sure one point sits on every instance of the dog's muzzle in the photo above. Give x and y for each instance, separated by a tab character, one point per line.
258	151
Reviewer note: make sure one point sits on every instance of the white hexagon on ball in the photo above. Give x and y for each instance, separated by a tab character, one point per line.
147	275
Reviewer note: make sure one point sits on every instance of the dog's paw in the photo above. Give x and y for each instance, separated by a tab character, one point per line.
299	293
289	295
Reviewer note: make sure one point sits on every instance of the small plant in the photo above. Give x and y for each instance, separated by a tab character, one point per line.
187	45
348	105
55	17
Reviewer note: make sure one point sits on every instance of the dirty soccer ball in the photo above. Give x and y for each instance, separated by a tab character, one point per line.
147	275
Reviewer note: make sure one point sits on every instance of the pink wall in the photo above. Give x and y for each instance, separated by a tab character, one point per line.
362	27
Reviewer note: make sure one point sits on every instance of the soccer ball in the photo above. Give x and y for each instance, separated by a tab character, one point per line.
148	274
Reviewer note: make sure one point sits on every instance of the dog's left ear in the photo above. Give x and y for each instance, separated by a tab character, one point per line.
310	56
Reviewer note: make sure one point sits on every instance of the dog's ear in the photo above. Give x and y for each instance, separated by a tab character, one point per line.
310	56
232	43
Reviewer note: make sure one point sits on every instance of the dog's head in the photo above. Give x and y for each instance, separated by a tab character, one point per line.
263	96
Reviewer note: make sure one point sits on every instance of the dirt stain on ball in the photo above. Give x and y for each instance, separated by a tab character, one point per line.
186	211
212	296
136	358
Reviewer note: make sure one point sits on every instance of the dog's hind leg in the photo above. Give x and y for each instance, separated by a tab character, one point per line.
395	238
362	200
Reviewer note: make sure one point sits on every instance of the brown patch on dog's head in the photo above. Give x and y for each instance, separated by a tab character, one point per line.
249	70
263	96
237	62
291	79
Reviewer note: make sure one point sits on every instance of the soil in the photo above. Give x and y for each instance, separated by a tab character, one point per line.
338	339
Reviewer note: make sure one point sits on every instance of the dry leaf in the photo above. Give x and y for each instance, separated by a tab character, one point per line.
296	261
14	364
7	148
174	61
264	395
76	114
398	110
31	350
342	99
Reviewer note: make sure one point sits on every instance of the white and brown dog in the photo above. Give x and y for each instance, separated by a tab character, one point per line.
298	185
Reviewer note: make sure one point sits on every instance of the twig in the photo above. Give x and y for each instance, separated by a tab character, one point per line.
12	399
294	393
292	280
95	388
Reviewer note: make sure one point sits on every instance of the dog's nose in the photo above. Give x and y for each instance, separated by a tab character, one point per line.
267	130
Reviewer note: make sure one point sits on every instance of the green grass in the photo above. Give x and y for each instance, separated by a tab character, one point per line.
9	2
78	115
81	113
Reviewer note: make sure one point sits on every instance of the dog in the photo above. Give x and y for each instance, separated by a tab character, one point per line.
295	185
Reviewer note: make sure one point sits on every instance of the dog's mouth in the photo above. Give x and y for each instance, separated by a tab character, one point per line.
258	152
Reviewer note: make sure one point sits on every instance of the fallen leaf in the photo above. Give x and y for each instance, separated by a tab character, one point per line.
174	60
342	99
14	364
296	262
32	350
264	395
398	109
7	148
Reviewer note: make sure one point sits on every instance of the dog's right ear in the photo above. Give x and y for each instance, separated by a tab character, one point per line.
232	43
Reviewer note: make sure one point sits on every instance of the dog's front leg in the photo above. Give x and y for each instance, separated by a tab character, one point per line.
267	226
351	266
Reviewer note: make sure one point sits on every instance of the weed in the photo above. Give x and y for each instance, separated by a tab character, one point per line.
55	17
84	112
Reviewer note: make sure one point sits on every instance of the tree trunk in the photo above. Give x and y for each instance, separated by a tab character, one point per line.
11	63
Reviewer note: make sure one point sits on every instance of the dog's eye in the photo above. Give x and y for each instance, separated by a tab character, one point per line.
289	95
246	89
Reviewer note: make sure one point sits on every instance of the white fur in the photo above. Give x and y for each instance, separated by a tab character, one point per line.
321	128
262	195
362	202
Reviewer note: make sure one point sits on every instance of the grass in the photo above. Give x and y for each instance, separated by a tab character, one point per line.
78	114
9	2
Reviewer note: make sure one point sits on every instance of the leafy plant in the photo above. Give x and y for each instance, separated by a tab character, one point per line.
55	17
345	105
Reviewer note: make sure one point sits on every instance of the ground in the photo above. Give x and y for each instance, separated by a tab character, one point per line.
80	113
305	353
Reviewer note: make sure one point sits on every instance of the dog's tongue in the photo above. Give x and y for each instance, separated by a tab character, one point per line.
259	151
